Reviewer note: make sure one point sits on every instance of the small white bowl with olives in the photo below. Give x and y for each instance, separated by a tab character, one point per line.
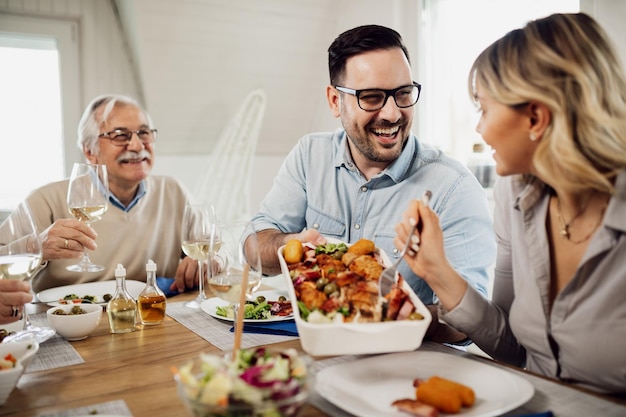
74	322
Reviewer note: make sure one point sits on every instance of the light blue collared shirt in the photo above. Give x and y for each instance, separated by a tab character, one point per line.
141	191
319	186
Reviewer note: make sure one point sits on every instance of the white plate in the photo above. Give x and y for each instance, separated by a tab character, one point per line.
210	306
367	387
51	296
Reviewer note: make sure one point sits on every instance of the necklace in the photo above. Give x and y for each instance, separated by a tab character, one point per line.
565	232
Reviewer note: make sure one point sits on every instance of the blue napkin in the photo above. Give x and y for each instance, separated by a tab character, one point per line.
164	284
280	328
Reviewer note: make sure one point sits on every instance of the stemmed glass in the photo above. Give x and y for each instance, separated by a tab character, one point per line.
200	239
87	201
20	257
239	247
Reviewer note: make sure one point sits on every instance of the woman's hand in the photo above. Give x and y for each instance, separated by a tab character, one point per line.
13	295
426	255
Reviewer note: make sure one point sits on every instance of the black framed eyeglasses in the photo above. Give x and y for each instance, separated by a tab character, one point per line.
373	99
122	137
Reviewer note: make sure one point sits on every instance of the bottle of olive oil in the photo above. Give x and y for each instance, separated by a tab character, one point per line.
122	308
151	301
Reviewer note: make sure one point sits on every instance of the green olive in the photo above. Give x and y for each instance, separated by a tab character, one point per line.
338	255
77	310
59	312
282	298
260	299
415	316
107	297
330	288
321	283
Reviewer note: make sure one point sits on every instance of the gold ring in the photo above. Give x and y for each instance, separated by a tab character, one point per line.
66	243
15	311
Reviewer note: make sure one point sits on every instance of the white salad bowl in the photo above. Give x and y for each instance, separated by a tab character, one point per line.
24	352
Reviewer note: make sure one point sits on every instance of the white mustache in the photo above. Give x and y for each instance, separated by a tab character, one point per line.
128	155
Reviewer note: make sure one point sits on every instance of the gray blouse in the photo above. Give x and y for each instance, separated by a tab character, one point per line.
583	339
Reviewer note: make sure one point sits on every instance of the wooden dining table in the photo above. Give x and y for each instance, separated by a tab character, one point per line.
136	368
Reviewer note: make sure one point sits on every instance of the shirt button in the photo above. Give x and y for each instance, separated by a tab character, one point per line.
357	226
395	251
364	188
316	226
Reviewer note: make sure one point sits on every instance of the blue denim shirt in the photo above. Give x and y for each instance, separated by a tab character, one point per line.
318	186
141	191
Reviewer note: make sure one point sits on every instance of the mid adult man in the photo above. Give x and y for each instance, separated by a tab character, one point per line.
355	182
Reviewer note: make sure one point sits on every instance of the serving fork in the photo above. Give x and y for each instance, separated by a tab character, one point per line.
388	277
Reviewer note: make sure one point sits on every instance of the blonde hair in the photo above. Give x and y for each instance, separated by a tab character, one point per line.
567	62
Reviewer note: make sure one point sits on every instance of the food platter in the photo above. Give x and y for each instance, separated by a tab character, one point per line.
98	289
210	307
367	387
358	338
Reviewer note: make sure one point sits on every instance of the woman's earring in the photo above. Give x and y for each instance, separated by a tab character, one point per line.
532	136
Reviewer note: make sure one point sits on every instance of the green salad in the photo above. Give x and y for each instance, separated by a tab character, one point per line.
258	309
258	382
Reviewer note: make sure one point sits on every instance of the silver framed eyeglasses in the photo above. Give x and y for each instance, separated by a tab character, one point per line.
373	99
122	137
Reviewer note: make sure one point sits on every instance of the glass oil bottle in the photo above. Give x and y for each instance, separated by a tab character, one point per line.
122	308
151	301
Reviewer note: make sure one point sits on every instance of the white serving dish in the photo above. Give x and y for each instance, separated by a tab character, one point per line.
327	339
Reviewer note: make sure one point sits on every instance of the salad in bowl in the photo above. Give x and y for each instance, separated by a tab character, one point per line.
257	382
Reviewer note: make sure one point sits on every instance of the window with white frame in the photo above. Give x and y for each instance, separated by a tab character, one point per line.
452	34
39	104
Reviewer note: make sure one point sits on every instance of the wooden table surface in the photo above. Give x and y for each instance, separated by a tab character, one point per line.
134	367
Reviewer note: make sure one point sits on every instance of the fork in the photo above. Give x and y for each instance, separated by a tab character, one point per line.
388	277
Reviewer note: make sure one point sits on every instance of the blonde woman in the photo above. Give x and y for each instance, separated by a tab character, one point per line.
552	98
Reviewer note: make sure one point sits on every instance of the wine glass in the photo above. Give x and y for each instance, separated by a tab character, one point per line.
20	258
239	248
200	239
87	201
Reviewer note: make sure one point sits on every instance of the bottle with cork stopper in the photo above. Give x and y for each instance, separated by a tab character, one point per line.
122	308
151	301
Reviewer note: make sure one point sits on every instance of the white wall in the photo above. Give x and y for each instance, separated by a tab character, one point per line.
188	168
196	60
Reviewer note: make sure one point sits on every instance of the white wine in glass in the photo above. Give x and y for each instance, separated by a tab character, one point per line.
20	257
87	201
200	239
239	247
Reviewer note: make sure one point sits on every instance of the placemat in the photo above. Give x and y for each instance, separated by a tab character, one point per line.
117	407
216	331
55	352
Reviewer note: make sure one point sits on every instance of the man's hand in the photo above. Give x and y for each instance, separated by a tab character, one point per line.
67	239
271	239
186	275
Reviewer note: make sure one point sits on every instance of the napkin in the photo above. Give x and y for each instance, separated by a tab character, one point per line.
164	284
280	328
